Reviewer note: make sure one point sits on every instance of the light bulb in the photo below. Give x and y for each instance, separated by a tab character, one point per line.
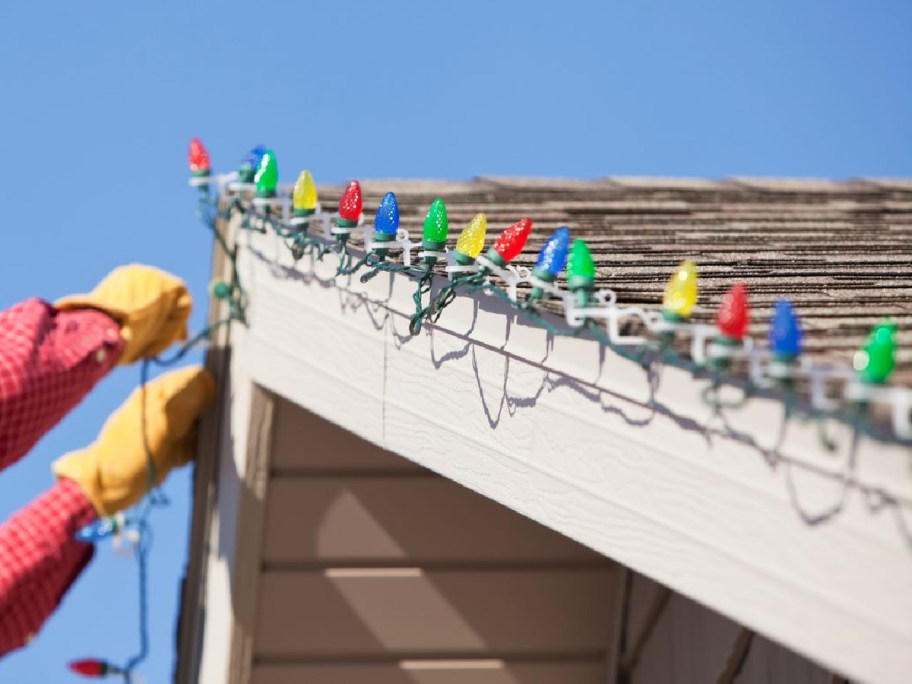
553	256
94	668
436	227
681	292
510	243
581	272
304	196
198	158
876	360
350	206
471	240
785	335
250	163
733	315
100	529
386	221
219	289
267	175
580	267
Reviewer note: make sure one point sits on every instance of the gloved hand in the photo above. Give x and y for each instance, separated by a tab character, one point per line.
150	305
113	470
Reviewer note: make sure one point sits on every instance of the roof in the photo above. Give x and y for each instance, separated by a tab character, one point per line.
744	510
840	251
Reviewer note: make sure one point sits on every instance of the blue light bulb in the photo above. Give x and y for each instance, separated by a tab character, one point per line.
96	531
785	331
250	163
387	219
553	256
253	157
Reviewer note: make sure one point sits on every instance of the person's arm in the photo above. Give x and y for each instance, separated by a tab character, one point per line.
49	360
39	557
52	355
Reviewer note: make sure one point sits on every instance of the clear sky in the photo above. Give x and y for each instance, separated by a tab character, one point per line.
98	102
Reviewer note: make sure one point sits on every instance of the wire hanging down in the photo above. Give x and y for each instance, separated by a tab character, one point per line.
296	216
808	390
137	529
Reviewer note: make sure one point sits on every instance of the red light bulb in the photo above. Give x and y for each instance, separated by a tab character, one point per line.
350	205
734	315
198	158
511	242
89	667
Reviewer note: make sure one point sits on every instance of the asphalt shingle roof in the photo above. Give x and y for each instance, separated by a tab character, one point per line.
841	251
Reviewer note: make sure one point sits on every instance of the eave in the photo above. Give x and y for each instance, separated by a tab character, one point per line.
582	441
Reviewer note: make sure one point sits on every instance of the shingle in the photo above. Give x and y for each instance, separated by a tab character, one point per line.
841	250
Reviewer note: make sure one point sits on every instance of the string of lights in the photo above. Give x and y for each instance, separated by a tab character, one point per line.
132	533
842	393
295	215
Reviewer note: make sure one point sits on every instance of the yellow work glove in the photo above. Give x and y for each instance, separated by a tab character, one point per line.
150	305
113	470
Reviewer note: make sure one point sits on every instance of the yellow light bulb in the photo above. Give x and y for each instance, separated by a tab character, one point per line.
681	291
472	238
305	193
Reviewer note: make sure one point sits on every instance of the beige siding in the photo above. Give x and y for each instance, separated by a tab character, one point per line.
376	570
390	520
571	436
372	612
770	662
689	643
308	444
437	672
587	443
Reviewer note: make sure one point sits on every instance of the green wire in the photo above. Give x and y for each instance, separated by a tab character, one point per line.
303	243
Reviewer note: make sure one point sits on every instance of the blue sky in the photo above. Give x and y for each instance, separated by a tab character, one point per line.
99	100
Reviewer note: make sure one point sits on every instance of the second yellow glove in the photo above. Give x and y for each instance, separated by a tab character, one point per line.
113	470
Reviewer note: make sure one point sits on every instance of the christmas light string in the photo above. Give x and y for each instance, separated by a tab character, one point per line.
133	532
713	349
136	529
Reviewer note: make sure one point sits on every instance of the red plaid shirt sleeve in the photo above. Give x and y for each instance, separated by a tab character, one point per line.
49	360
40	559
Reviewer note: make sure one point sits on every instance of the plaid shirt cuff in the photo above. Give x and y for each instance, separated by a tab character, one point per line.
40	559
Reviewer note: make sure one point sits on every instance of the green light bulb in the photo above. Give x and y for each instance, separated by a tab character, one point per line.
876	360
219	289
581	271
436	226
580	266
267	175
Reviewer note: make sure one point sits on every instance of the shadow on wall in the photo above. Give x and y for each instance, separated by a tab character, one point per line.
492	363
376	569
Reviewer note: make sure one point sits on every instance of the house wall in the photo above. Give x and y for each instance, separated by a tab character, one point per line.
584	442
690	643
578	440
374	569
